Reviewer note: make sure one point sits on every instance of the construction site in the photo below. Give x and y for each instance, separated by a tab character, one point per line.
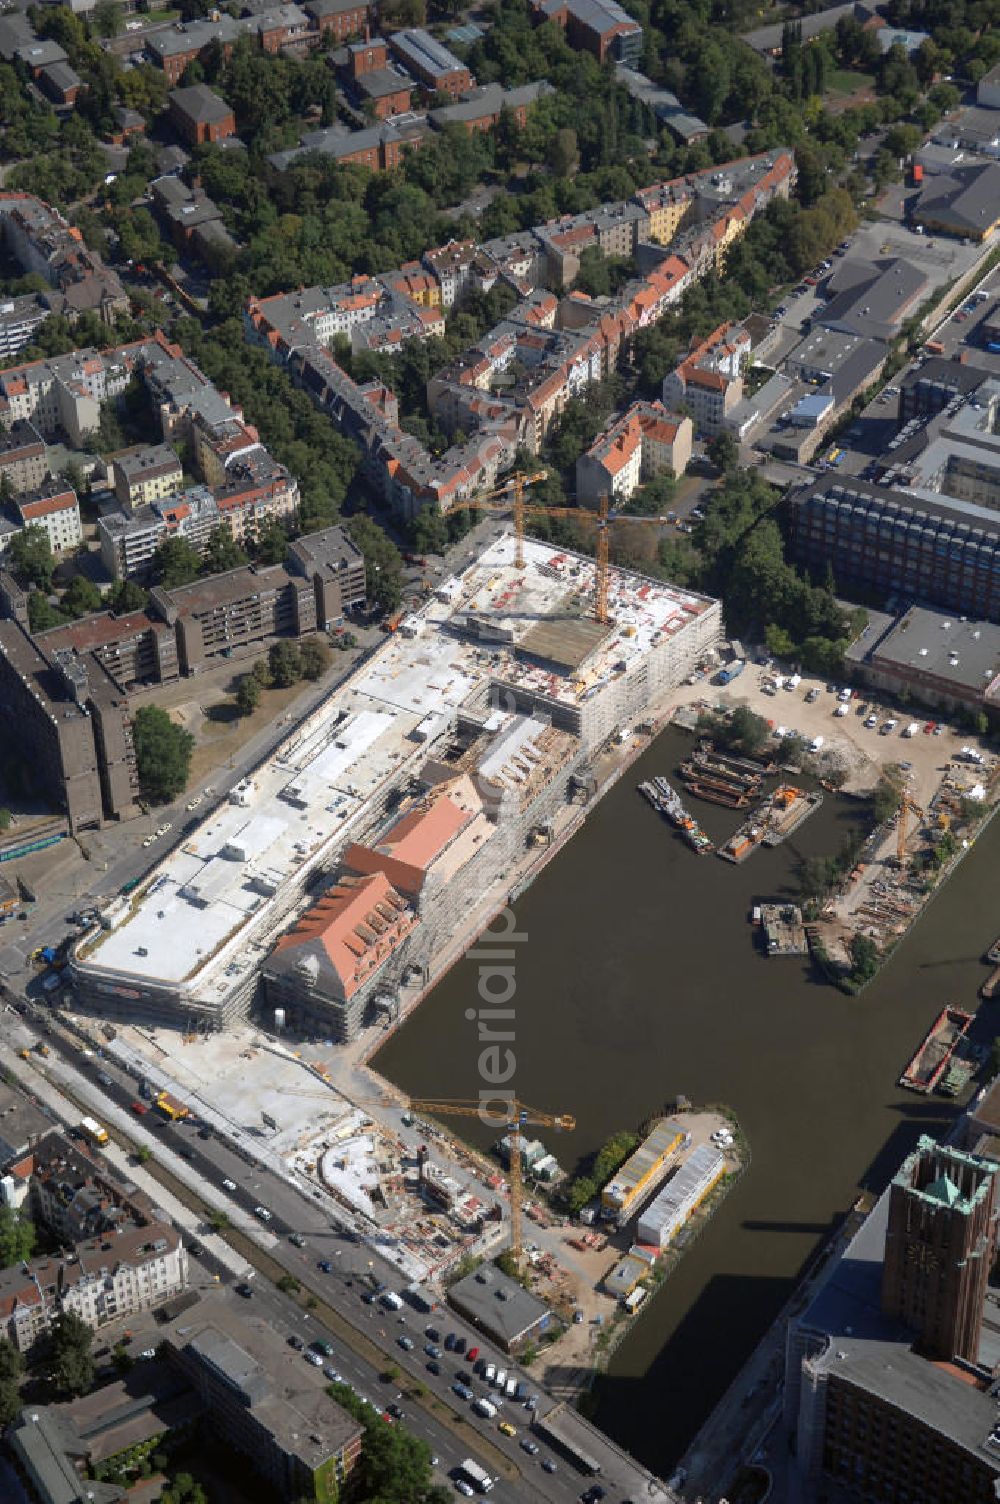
417	787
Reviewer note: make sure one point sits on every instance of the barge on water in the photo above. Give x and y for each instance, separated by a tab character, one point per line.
782	929
789	808
664	798
769	826
743	765
937	1047
715	790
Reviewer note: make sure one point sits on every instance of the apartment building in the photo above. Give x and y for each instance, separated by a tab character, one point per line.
22	457
451	266
38	237
641	443
19	318
132	649
117	1274
234	611
146	476
431	63
709	381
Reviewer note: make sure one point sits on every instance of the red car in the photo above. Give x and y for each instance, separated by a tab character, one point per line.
472	1354
138	1108
929	728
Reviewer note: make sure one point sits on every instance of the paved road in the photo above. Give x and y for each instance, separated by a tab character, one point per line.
353	1264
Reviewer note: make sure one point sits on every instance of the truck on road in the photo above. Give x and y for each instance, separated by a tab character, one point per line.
731	671
94	1133
476	1475
171	1107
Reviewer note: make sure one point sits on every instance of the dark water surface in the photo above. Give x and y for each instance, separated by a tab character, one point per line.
638	980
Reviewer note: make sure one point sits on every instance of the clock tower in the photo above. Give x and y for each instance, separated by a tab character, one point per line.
940	1246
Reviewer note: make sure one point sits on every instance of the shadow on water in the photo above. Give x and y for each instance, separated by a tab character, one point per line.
638	979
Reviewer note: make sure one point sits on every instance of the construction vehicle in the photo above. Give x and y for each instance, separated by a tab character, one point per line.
171	1107
906	807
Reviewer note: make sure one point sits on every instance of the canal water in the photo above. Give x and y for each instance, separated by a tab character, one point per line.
637	980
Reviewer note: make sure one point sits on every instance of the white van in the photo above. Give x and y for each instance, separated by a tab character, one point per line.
391	1300
485	1408
816	743
912	729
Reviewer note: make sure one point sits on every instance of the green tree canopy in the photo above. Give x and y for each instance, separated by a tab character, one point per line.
175	563
17	1237
30	555
163	753
285	662
71	1364
222	552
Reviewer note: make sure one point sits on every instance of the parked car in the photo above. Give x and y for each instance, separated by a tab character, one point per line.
529	1446
406	1343
296	1342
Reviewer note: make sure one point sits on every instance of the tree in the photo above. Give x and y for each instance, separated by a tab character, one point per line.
127	596
17	1237
10	1401
562	155
30	554
222	552
41	612
272	542
314	658
724	452
248	693
71	1364
11	1361
81	596
162	752
888	793
175	563
106	18
864	958
143	1154
217	1220
285	662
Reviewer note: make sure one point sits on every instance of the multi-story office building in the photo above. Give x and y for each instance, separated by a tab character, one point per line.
890	1369
917	545
265	1403
55	734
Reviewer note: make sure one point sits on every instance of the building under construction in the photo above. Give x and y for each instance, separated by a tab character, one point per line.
348	858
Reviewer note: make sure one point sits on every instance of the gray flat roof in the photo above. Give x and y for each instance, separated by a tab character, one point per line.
968	197
934	642
498	1303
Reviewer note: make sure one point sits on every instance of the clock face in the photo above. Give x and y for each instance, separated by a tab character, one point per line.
923	1256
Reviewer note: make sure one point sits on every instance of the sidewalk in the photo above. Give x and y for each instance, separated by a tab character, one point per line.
183	1218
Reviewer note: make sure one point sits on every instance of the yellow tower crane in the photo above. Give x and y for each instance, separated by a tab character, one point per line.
521	509
906	807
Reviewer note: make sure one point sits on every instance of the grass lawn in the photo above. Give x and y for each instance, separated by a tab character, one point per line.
845	81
